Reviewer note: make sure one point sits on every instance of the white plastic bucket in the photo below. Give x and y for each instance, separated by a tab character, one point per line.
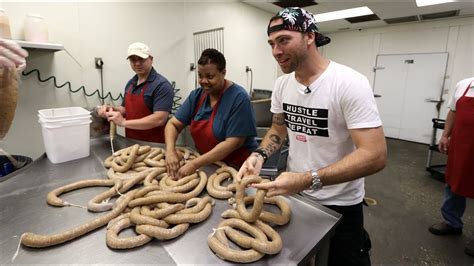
35	29
65	139
63	113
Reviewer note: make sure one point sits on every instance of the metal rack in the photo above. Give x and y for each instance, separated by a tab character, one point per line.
438	170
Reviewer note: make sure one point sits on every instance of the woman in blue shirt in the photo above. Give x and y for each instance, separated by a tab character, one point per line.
220	116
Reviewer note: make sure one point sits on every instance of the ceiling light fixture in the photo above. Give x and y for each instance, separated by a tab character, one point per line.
341	14
432	2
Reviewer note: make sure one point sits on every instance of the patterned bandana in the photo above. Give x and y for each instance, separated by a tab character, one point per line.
298	19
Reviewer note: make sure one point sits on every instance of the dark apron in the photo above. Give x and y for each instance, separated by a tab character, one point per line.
204	139
136	108
459	171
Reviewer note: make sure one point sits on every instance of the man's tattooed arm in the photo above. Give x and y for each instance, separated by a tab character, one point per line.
278	119
273	138
273	145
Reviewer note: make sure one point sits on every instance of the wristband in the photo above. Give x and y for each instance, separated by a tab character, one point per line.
258	155
262	153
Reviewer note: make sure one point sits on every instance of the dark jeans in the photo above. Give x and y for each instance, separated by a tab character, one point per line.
350	244
453	208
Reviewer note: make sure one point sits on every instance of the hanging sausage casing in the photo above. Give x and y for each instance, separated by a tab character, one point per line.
8	97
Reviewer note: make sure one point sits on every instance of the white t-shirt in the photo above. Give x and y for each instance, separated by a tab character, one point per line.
460	89
318	122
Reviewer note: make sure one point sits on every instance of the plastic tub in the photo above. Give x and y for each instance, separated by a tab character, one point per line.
63	121
67	113
35	29
66	133
67	140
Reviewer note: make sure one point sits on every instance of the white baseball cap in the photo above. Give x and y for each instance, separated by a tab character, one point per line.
139	49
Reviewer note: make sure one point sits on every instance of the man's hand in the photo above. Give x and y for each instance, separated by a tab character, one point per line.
12	55
287	183
116	117
251	166
443	144
103	109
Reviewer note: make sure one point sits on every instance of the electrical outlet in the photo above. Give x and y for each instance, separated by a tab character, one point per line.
98	62
247	68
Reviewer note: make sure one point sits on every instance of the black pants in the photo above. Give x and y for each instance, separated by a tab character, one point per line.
350	244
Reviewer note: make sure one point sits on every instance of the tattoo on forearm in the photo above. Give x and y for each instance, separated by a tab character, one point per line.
275	138
273	145
278	119
267	151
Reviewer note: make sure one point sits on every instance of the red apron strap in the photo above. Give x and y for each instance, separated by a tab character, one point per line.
467	89
200	102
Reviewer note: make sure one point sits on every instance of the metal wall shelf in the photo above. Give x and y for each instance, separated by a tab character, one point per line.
53	47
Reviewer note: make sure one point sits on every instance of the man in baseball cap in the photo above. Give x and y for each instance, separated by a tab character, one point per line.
139	49
298	19
148	99
328	113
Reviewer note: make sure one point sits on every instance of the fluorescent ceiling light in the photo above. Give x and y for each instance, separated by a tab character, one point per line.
431	2
346	13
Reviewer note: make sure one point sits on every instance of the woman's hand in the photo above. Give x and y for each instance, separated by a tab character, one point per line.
172	163
187	169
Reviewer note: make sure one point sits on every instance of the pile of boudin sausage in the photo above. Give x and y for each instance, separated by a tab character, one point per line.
162	208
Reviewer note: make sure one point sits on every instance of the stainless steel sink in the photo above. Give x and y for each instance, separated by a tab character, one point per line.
261	102
262	112
8	170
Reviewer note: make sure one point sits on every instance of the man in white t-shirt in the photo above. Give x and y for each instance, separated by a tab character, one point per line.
330	117
458	143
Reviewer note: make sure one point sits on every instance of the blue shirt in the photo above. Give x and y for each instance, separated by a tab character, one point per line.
234	118
159	94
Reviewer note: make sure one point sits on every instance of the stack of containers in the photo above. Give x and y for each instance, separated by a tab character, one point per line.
66	133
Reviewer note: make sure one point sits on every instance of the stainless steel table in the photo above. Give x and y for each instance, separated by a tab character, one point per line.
23	208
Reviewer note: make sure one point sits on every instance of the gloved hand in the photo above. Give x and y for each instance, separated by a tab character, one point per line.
12	55
103	109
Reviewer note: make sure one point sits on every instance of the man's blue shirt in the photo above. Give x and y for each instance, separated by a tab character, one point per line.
159	94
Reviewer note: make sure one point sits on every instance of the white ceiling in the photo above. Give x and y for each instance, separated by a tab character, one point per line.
384	9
